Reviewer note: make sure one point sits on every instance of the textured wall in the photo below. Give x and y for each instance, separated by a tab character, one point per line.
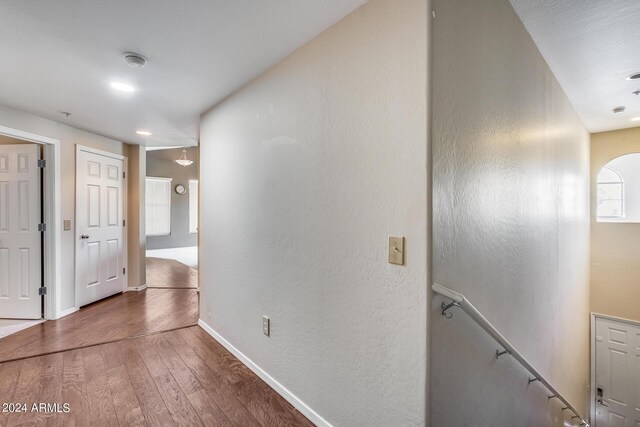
69	137
309	169
136	230
615	247
160	163
511	222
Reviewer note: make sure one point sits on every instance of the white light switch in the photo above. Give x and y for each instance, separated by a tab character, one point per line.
266	326
396	250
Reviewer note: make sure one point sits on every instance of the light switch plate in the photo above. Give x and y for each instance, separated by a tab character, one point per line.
67	224
396	250
266	326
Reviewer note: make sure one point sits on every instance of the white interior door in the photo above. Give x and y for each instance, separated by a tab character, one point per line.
20	239
100	242
617	374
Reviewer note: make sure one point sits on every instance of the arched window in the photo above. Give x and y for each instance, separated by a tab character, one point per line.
610	194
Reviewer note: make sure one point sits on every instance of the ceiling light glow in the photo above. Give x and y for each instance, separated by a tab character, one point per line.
635	119
124	87
144	132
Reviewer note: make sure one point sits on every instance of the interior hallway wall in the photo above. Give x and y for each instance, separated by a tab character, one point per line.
309	169
69	137
160	163
510	222
615	247
136	232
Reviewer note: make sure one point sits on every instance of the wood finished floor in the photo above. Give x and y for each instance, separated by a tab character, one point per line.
123	316
169	273
182	377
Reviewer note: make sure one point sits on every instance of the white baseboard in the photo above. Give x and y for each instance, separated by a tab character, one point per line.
67	312
136	288
313	416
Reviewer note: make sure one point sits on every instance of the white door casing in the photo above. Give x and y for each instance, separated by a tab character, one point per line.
617	373
20	239
100	237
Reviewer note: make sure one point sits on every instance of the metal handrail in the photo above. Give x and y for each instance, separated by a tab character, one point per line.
459	300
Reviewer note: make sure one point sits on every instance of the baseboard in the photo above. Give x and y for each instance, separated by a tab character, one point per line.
67	312
313	416
136	288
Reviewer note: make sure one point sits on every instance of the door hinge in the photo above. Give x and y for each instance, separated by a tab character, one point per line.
124	271
124	175
124	222
42	290
42	227
42	163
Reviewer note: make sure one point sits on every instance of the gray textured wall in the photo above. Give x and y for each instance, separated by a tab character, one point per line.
160	163
308	170
510	222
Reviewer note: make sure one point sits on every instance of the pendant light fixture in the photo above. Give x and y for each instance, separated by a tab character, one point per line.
183	161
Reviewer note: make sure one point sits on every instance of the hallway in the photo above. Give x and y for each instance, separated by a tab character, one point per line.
120	317
181	377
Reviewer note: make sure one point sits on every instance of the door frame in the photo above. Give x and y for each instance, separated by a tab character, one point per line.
125	198
592	387
52	261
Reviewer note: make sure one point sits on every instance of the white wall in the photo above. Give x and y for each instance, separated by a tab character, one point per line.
306	172
510	222
69	137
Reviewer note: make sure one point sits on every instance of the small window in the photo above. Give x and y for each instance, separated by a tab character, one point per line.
193	206
610	194
158	206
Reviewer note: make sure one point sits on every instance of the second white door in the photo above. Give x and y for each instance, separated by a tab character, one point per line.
617	373
100	245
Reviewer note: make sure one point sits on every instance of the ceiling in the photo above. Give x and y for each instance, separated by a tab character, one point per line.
61	56
591	46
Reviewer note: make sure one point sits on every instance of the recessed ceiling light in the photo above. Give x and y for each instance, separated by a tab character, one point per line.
144	132
619	109
634	76
122	87
135	60
636	119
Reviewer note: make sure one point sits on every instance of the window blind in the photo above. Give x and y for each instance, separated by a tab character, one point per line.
158	206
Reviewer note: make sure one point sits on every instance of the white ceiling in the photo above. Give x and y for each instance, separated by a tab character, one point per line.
61	55
591	46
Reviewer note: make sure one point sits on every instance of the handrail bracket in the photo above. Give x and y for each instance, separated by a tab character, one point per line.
446	307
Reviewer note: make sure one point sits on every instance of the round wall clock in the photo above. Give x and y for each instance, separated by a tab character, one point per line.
180	189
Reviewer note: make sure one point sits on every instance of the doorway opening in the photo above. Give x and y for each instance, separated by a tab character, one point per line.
171	210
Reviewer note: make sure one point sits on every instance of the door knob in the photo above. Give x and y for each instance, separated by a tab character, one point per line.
84	236
601	401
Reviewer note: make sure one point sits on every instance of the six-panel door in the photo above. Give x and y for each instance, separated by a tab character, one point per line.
617	373
20	239
99	227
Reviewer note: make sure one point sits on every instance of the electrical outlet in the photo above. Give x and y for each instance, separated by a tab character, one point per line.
266	326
